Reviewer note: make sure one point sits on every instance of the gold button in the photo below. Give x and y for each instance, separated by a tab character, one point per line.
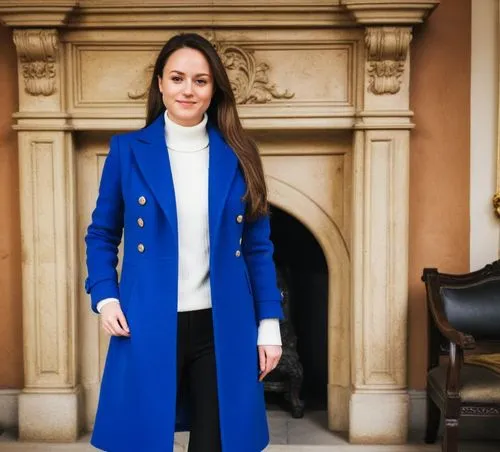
239	218
142	200
140	222
140	248
238	253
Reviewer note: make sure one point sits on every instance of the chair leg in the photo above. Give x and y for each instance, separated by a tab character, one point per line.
450	440
433	418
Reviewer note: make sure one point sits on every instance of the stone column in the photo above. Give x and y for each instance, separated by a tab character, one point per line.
379	400
49	404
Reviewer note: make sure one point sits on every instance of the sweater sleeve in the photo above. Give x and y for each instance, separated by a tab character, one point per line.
269	332
104	302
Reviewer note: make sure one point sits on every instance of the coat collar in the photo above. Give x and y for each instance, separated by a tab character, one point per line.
150	151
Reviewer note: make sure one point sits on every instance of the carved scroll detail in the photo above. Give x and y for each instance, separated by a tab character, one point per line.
37	50
249	79
386	48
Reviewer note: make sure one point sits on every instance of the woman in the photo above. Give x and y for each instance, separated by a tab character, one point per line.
195	318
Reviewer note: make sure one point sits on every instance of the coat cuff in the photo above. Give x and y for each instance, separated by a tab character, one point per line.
101	290
269	310
269	332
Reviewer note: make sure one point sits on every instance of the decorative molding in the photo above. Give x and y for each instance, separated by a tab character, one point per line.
140	86
37	50
496	203
376	12
382	357
192	14
209	13
249	78
480	411
386	49
33	13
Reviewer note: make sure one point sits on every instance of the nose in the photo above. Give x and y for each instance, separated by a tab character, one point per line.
188	88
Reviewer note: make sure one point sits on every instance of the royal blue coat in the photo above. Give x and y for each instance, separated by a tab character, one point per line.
137	403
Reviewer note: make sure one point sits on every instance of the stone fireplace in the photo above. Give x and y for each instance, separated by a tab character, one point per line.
323	88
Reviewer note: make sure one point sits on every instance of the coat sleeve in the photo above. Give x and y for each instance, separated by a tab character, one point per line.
105	231
258	252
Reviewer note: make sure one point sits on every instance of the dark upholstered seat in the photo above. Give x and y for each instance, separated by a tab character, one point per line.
464	311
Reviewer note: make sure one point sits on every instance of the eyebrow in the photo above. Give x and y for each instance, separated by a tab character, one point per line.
196	75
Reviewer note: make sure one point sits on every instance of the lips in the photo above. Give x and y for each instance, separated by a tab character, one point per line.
183	102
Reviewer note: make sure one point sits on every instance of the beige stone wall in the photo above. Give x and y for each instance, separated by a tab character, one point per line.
440	141
439	161
11	367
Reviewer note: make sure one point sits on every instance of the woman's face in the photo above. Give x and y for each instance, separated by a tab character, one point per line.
186	86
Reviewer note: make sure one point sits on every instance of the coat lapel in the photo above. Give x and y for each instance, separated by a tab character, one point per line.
221	170
151	154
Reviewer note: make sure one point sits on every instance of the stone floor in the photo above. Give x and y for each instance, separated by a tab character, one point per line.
287	435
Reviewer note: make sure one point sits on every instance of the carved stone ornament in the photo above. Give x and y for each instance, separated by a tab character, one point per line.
249	79
386	48
142	84
496	203
37	50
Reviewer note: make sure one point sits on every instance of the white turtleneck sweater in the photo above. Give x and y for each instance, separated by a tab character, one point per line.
188	153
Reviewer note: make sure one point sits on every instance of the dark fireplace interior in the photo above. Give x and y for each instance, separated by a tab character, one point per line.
300	259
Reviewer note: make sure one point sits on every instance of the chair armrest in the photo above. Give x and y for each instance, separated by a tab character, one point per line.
463	340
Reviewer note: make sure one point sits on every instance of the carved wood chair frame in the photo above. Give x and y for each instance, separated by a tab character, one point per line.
444	338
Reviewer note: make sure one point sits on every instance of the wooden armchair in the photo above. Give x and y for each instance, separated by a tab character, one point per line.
464	313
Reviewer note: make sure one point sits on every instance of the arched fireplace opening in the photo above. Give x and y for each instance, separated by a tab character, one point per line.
302	266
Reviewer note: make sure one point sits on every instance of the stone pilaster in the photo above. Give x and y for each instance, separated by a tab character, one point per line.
379	401
49	405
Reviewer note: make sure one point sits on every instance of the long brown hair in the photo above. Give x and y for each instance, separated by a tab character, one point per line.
222	112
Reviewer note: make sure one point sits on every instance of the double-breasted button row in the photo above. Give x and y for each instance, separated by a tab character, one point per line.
140	222
239	219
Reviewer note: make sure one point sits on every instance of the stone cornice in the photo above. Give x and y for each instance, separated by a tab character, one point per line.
32	13
385	12
211	13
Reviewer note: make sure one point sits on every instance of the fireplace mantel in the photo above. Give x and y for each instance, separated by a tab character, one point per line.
181	14
331	107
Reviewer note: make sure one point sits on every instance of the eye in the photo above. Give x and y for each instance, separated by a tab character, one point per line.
176	79
201	82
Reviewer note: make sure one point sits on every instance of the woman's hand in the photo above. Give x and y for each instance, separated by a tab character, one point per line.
269	357
113	321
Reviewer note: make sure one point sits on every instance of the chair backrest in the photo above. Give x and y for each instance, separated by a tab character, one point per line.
474	308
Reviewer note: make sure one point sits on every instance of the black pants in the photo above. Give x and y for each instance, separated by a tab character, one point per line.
197	379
